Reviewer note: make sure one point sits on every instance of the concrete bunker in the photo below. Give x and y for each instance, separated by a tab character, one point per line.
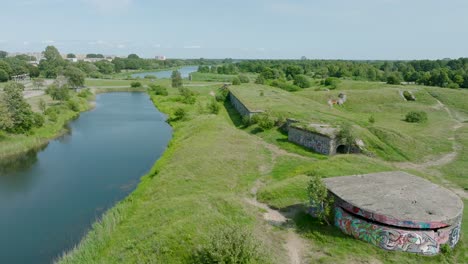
396	211
321	138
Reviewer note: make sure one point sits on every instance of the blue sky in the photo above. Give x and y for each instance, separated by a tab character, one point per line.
317	29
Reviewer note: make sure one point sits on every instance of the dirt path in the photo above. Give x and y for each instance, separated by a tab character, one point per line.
294	244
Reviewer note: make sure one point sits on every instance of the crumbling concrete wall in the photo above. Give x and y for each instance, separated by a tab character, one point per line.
314	141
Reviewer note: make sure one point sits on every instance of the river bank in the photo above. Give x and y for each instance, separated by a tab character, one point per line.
12	145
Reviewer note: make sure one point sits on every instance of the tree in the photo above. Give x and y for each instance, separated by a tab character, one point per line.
176	79
19	110
3	76
135	84
53	63
260	80
319	198
38	83
105	67
394	79
236	81
51	53
42	105
6	67
60	93
346	135
244	78
75	76
6	122
133	56
302	81
71	56
3	54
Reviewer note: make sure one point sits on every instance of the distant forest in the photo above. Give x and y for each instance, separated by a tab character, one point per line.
444	73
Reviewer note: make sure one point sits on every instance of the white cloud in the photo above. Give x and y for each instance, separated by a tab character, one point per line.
48	42
121	46
25	43
192	47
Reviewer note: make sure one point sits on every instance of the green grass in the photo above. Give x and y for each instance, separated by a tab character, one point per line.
13	145
456	171
390	137
212	77
212	162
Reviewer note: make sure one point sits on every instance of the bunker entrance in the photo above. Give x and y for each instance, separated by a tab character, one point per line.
342	149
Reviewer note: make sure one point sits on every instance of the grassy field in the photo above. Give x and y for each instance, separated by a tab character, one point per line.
205	176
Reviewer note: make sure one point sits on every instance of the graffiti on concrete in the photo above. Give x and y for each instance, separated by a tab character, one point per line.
385	237
454	236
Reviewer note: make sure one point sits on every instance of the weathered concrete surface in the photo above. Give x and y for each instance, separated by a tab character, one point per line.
397	199
397	211
318	142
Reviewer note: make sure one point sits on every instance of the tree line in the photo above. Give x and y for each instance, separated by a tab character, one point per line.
54	65
452	73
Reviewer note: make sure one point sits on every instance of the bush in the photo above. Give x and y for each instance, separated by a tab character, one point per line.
179	114
85	93
150	77
285	86
42	105
416	117
231	245
73	105
136	84
52	115
222	95
38	120
213	107
302	81
320	201
408	96
331	82
58	93
371	119
236	81
265	121
394	79
260	80
3	76
188	97
244	78
158	89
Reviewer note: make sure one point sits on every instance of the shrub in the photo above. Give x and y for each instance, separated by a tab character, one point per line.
408	96
247	121
331	82
394	79
416	117
236	81
150	77
319	199
38	120
58	93
231	245
179	114
135	84
3	76
371	119
262	93
85	93
244	78
222	95
213	107
285	86
302	81
42	105
188	97
52	115
73	105
265	121
260	80
158	89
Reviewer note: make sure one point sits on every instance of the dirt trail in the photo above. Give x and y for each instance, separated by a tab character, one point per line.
294	244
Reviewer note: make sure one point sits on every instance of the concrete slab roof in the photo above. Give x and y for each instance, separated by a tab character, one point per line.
397	199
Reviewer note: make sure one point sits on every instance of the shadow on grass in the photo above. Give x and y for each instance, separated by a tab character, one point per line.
235	117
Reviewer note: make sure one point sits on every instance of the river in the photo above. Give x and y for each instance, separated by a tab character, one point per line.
50	198
184	71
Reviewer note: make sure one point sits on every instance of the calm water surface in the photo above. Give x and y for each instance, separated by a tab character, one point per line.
48	199
184	71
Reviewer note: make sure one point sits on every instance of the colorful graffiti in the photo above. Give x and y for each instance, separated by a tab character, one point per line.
389	220
454	236
423	242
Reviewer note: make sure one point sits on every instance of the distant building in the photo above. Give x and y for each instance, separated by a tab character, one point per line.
161	58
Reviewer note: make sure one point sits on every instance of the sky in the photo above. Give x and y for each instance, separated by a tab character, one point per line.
240	29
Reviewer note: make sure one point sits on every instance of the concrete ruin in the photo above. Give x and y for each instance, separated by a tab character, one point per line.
320	138
397	211
241	107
